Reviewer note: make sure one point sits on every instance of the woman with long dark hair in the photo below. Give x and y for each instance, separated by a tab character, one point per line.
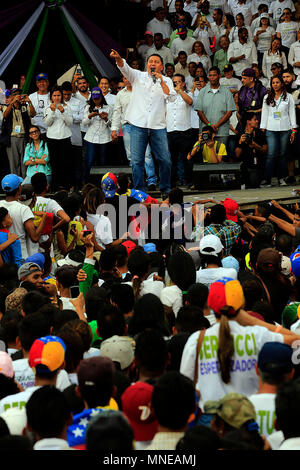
36	156
58	118
278	120
272	56
97	116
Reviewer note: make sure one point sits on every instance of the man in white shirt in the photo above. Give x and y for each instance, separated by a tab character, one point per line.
182	43
241	6
147	115
159	48
21	215
179	131
242	54
81	92
274	367
217	26
159	24
40	100
294	57
118	120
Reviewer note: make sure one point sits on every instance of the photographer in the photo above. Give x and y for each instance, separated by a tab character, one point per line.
16	122
251	149
212	150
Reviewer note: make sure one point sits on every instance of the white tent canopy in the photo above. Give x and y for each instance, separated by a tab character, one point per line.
69	74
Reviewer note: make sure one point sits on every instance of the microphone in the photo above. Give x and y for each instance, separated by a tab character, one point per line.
152	70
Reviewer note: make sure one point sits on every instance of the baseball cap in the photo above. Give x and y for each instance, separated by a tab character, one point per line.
225	293
41	76
228	68
231	207
149	33
118	349
47	354
290	314
11	182
264	15
248	73
275	357
129	245
14	300
96	92
286	265
26	269
94	370
136	405
6	365
27	194
109	426
235	409
150	248
109	184
69	261
211	245
230	262
37	258
295	262
181	29
268	259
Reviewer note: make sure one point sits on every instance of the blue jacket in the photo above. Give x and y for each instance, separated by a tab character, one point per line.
13	253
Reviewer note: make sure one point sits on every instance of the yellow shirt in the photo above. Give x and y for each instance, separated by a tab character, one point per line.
206	152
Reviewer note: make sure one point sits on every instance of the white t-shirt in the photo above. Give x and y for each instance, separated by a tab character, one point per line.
231	83
25	375
150	287
171	296
40	103
276	8
288	32
102	227
18	400
247	340
264	404
210	275
19	214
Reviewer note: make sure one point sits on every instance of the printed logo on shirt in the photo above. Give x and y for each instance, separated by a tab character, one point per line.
265	420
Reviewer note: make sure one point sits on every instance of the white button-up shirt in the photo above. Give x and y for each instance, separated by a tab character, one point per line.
237	49
204	59
269	59
179	45
179	114
163	27
83	99
98	129
147	107
58	123
294	56
244	8
77	107
120	107
281	117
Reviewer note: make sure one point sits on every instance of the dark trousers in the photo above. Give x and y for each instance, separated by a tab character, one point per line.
180	143
61	161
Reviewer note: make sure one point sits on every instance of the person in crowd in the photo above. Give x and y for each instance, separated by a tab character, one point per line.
287	31
263	36
239	23
229	80
159	24
242	53
40	100
159	48
204	33
279	122
36	156
212	150
182	64
220	57
182	43
143	45
273	55
97	117
199	54
58	118
229	23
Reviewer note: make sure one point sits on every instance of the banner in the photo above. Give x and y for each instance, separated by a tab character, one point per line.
9	53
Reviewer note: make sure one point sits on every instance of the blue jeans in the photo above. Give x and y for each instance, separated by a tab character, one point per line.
149	164
157	138
277	142
95	153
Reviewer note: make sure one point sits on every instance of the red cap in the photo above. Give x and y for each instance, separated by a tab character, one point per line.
136	405
231	207
129	245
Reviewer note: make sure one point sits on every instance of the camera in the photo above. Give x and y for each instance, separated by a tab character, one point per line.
206	136
248	138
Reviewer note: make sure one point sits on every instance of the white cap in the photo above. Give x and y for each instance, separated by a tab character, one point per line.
213	243
286	265
68	261
118	349
264	15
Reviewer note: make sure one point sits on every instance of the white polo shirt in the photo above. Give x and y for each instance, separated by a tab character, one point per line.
179	114
237	49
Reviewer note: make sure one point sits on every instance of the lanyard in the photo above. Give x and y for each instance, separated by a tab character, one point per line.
277	105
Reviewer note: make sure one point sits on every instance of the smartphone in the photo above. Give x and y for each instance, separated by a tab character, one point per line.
85	233
73	227
74	292
78	71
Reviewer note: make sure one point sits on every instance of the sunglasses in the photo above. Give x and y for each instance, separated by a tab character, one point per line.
34	132
120	87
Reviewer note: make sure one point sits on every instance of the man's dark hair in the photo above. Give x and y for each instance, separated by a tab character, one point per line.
176	196
47	412
190	319
110	322
66	86
66	276
74	347
253	291
197	294
39	182
264	209
273	378
156	55
180	76
33	301
182	270
95	299
14	443
148	312
168	64
284	244
8	386
219	11
287	406
218	214
121	255
110	430
49	311
182	53
200	438
170	390
151	352
61	317
10	326
122	296
214	69
108	259
31	328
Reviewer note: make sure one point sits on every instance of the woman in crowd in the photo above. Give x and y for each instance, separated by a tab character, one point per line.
97	116
58	118
240	23
263	36
199	55
204	33
36	157
273	55
278	120
229	23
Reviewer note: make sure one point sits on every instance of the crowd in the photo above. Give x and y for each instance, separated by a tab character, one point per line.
127	323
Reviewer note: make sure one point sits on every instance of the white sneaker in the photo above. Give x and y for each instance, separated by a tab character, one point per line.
265	184
282	182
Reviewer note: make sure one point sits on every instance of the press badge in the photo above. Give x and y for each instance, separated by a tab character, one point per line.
17	129
253	103
277	115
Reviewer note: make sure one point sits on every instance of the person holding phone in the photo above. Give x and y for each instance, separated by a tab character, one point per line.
58	118
97	117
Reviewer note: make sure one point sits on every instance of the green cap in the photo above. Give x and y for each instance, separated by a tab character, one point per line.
290	314
235	409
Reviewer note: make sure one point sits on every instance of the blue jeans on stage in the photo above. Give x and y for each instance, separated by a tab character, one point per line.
149	164
157	138
95	154
277	142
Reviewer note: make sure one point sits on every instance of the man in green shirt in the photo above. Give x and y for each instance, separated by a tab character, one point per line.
220	57
181	20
